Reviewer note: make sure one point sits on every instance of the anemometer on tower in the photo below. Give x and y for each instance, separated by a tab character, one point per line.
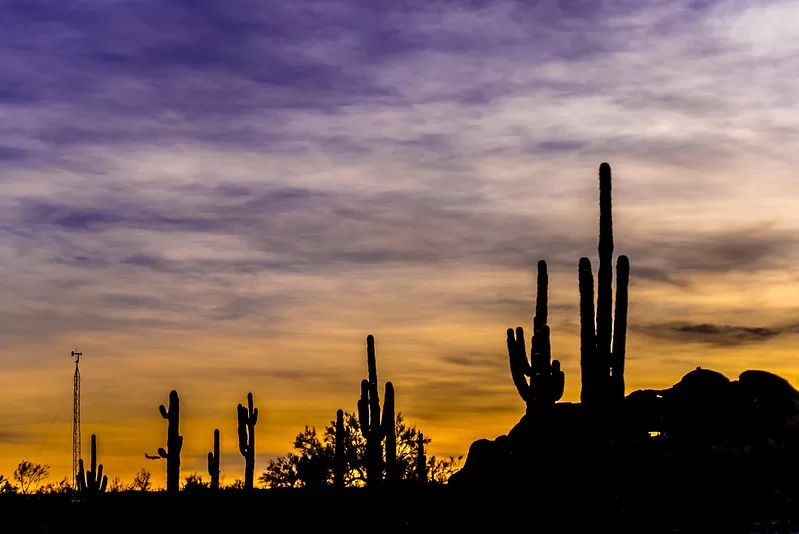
76	420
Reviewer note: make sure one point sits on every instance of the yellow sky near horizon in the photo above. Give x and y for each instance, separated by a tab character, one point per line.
450	373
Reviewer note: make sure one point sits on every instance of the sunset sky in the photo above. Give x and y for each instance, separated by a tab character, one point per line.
227	196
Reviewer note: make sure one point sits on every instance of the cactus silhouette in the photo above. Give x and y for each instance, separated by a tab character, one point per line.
390	434
421	460
546	378
248	416
93	480
213	462
373	429
174	442
603	342
339	458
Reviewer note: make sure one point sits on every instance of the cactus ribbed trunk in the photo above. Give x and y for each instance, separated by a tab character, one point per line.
213	462
339	460
248	416
174	442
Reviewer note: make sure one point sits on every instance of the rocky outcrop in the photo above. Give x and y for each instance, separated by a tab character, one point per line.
704	413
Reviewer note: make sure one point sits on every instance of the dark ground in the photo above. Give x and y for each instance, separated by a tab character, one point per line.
434	509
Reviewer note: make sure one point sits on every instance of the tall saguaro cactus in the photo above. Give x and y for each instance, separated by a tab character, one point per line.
339	458
174	442
546	378
213	462
248	416
373	429
603	342
93	480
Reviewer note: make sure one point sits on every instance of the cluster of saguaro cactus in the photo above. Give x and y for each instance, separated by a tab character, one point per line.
339	455
373	428
546	378
93	480
248	416
602	343
174	442
421	460
213	462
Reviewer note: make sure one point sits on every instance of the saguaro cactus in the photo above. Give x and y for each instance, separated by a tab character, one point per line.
213	462
603	343
248	416
421	460
546	378
339	458
390	433
174	442
373	429
92	481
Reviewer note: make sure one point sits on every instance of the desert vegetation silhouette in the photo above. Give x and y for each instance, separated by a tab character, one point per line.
613	458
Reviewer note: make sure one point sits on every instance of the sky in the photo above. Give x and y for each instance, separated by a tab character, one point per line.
225	197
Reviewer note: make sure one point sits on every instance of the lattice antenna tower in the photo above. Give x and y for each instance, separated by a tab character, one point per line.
76	420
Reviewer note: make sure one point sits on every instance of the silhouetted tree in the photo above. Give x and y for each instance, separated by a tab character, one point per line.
142	481
116	486
62	486
195	482
6	486
236	485
439	471
313	462
29	475
248	416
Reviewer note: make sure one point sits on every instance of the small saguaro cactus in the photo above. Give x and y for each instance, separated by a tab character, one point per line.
339	458
248	416
546	378
93	480
421	460
213	462
373	429
390	434
603	342
174	442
